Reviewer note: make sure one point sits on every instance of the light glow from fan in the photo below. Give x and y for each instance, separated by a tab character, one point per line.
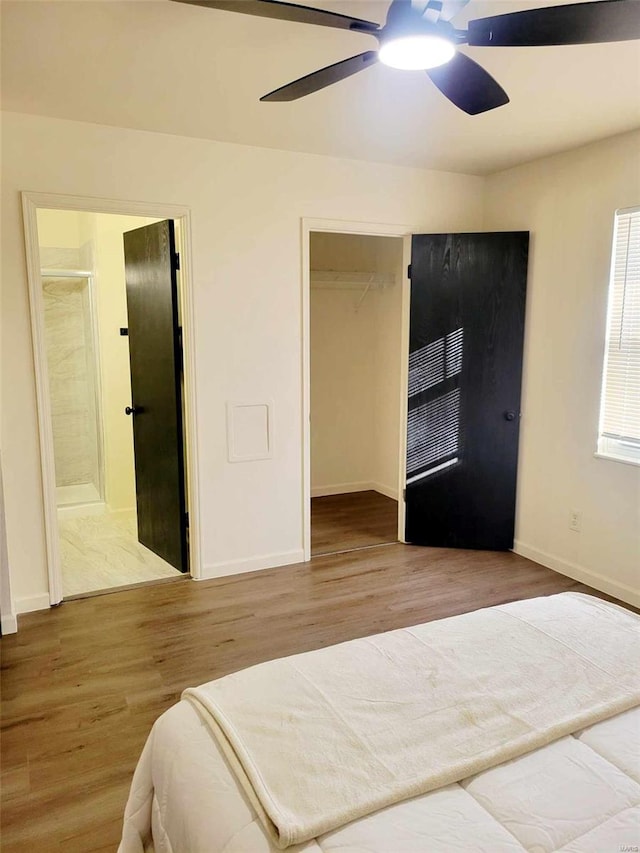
416	53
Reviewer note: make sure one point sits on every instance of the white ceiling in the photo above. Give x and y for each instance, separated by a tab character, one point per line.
162	66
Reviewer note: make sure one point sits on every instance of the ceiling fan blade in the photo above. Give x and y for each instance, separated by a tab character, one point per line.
468	86
577	23
432	11
322	78
451	8
288	12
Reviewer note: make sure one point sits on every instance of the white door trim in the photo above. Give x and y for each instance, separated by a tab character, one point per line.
370	229
30	203
8	620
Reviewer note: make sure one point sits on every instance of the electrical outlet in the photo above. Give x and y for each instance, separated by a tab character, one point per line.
575	520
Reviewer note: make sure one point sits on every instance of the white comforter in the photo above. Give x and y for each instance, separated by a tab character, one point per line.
480	670
580	794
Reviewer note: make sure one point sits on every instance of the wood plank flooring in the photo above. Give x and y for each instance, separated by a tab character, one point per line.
83	683
356	520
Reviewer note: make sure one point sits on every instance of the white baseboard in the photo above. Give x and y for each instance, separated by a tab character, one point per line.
33	602
9	623
348	488
579	573
81	510
253	564
340	489
385	490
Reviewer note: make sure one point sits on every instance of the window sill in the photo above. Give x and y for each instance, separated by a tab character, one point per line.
613	458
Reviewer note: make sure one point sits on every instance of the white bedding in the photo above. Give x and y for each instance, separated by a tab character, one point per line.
580	794
579	790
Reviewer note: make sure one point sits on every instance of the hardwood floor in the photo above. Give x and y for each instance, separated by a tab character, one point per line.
83	683
356	520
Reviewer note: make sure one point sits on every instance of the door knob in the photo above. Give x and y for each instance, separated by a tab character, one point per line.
509	415
130	410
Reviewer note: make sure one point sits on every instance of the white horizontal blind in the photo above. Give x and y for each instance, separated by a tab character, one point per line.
429	365
432	431
620	403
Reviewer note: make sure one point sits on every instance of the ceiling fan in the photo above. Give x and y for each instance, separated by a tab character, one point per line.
420	36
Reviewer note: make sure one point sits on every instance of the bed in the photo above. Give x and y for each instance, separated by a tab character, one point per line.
508	729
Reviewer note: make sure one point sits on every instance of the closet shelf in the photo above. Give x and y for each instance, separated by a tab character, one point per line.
342	280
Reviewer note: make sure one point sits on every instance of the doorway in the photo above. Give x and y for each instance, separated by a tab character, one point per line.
461	338
103	532
356	388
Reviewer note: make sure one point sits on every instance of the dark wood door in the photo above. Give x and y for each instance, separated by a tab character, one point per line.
156	386
465	365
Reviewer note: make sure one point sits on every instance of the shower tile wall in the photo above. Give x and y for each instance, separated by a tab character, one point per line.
72	380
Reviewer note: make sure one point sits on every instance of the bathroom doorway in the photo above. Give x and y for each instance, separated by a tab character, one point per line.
103	532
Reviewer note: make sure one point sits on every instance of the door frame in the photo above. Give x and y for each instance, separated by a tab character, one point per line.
31	202
365	229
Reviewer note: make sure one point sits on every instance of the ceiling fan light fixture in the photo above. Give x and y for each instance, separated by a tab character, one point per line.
416	53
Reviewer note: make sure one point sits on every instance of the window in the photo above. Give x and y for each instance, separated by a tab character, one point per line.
619	434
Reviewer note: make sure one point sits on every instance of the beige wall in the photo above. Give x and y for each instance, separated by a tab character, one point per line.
355	368
60	229
246	206
342	391
568	204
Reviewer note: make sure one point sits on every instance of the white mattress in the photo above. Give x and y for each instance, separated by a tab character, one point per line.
580	794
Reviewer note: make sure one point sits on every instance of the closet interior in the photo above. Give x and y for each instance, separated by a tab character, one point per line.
356	390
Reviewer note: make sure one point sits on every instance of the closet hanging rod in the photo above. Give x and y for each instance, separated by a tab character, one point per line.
342	279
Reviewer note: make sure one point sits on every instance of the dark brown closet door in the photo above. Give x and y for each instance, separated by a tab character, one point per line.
465	365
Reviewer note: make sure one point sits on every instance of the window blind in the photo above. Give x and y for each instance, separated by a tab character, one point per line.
620	402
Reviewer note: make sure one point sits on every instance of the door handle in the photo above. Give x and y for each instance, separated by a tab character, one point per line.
509	415
130	410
